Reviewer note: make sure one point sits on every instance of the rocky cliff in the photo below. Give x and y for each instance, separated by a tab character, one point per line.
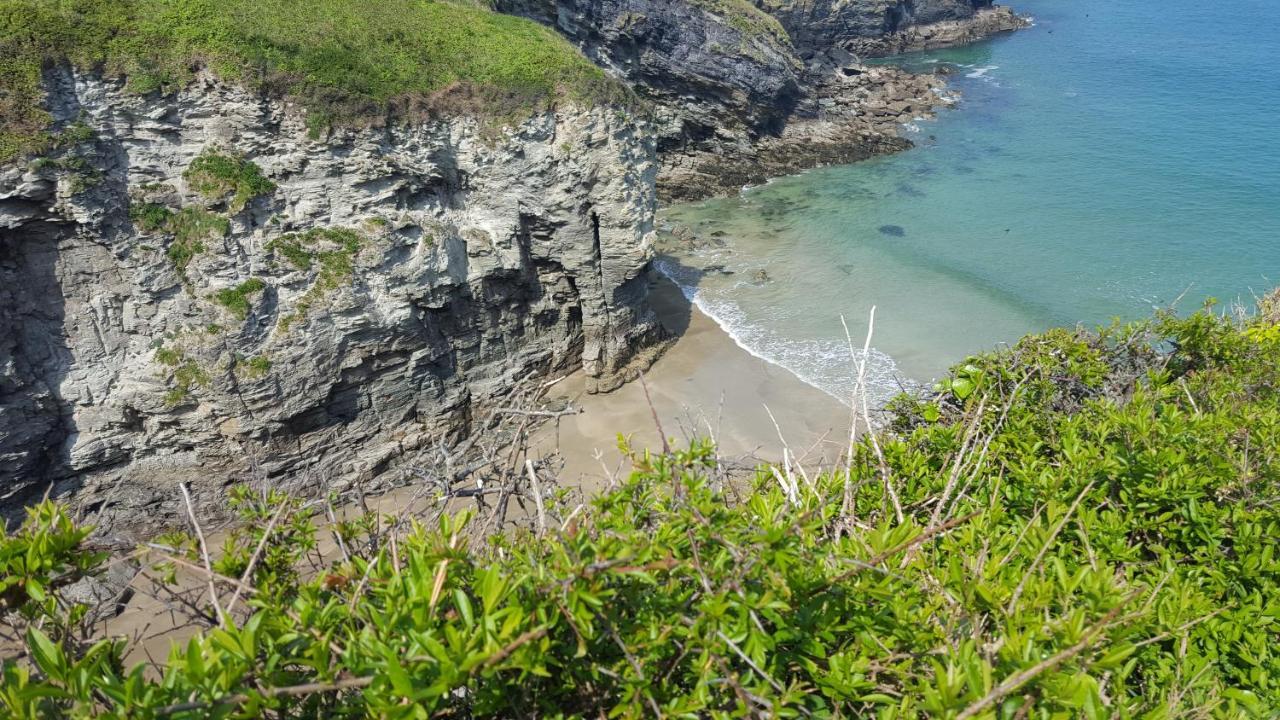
309	274
871	28
196	283
745	91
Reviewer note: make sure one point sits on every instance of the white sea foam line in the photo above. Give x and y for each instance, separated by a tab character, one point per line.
833	374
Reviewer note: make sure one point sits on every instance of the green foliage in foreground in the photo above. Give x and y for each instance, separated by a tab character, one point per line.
344	60
1085	527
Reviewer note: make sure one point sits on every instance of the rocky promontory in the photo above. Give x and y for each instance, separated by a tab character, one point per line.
742	92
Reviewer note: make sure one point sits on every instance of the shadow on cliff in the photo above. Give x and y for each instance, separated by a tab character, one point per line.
35	421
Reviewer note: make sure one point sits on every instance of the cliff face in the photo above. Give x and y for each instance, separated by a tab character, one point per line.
708	72
194	285
744	90
872	28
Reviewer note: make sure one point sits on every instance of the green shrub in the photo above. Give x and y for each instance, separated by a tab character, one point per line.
191	227
1084	528
150	217
236	299
224	177
344	61
332	249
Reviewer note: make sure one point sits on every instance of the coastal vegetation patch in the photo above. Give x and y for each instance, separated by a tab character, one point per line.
237	300
220	176
191	228
330	251
747	19
185	374
1081	525
253	368
346	62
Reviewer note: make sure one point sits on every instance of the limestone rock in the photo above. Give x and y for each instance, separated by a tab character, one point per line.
403	278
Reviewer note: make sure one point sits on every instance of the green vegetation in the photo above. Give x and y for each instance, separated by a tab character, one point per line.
254	367
150	217
344	61
187	374
191	227
1080	526
169	356
746	18
333	250
218	176
236	299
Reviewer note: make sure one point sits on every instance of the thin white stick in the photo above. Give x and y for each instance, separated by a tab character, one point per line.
204	553
537	497
866	416
1017	592
257	553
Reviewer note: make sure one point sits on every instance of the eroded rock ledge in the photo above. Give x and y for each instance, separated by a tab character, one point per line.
375	289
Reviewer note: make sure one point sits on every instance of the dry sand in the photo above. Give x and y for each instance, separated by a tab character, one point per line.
704	384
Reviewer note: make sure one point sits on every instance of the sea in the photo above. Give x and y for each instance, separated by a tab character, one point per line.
1116	157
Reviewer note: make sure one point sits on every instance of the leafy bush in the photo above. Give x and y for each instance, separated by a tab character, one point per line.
1084	528
345	61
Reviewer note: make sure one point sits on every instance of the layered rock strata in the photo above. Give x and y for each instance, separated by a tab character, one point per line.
745	91
196	286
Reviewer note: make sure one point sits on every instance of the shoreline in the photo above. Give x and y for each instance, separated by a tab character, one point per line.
704	385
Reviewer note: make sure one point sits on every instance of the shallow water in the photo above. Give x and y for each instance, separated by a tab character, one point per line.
1116	156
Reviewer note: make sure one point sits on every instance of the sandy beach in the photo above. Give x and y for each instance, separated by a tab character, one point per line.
703	385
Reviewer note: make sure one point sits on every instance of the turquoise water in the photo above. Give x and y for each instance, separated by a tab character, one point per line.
1112	158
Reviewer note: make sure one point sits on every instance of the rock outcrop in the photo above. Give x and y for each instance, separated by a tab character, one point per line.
194	285
199	285
872	28
709	72
745	91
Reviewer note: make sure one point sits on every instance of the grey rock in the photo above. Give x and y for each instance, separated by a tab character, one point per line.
482	261
870	28
707	70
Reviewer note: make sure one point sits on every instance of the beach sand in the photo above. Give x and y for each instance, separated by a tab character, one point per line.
703	385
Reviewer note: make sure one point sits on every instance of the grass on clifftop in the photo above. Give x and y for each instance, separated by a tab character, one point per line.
1081	526
345	61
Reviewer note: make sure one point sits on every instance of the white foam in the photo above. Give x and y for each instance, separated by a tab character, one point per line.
829	366
982	71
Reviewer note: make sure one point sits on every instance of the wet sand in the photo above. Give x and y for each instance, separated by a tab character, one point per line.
703	385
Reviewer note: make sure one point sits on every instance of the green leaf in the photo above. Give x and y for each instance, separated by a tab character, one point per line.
48	657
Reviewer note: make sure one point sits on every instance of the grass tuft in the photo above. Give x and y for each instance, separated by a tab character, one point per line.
219	176
236	299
